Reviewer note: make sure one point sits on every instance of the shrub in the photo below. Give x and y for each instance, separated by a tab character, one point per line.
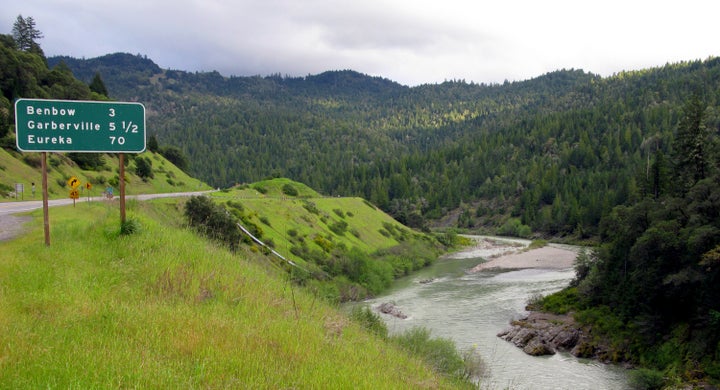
369	320
289	190
100	180
130	226
646	379
311	207
440	353
265	220
88	161
212	220
143	168
339	227
33	159
513	227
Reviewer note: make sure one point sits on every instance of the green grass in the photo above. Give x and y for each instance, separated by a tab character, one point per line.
24	168
163	308
286	220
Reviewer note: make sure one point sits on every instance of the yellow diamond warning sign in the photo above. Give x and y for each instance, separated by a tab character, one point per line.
73	182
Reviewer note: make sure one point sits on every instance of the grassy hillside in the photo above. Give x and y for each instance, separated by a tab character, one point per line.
163	308
311	215
25	168
346	247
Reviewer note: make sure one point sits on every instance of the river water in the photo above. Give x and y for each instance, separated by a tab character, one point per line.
471	309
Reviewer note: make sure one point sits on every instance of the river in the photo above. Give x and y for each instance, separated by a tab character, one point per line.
471	309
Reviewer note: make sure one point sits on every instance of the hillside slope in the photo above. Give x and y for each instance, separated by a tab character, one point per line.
344	248
25	169
163	308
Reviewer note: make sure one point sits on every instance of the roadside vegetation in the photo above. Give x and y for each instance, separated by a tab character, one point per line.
161	307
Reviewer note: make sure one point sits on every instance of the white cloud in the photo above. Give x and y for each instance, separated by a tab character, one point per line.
412	42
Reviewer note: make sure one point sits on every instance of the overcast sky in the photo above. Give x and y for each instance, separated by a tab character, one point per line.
409	41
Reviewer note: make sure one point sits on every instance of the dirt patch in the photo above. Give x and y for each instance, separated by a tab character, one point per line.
11	226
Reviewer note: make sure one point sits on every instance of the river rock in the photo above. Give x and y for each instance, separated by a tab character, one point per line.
543	333
391	309
536	347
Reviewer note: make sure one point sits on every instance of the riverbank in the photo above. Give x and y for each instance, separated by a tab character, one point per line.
547	257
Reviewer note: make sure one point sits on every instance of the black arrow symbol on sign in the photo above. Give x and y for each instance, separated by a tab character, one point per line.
72	182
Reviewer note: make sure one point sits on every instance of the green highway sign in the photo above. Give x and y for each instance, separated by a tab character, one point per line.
43	125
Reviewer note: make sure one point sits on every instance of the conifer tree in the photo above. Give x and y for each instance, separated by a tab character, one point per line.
690	147
97	85
25	33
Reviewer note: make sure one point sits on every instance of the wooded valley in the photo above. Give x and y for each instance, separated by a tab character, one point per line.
629	163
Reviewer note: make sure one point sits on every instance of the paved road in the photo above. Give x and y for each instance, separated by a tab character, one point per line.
11	224
7	208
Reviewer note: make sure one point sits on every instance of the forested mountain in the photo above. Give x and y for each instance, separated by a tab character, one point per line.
630	160
553	154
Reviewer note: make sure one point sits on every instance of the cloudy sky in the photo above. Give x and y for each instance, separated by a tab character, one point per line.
409	41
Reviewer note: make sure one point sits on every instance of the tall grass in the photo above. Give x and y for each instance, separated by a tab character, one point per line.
161	308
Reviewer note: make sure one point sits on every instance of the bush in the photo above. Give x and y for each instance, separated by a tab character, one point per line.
440	353
372	322
212	220
33	159
561	302
130	226
513	227
289	190
646	379
339	227
143	168
88	161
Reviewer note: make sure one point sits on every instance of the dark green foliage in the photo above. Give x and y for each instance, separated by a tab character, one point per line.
98	86
143	168
88	161
212	220
289	190
311	207
129	227
653	286
152	144
176	156
646	379
692	145
25	73
562	302
338	227
25	34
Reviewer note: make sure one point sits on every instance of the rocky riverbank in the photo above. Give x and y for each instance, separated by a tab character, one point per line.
540	334
543	334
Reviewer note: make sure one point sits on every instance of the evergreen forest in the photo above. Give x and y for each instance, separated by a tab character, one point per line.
550	155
